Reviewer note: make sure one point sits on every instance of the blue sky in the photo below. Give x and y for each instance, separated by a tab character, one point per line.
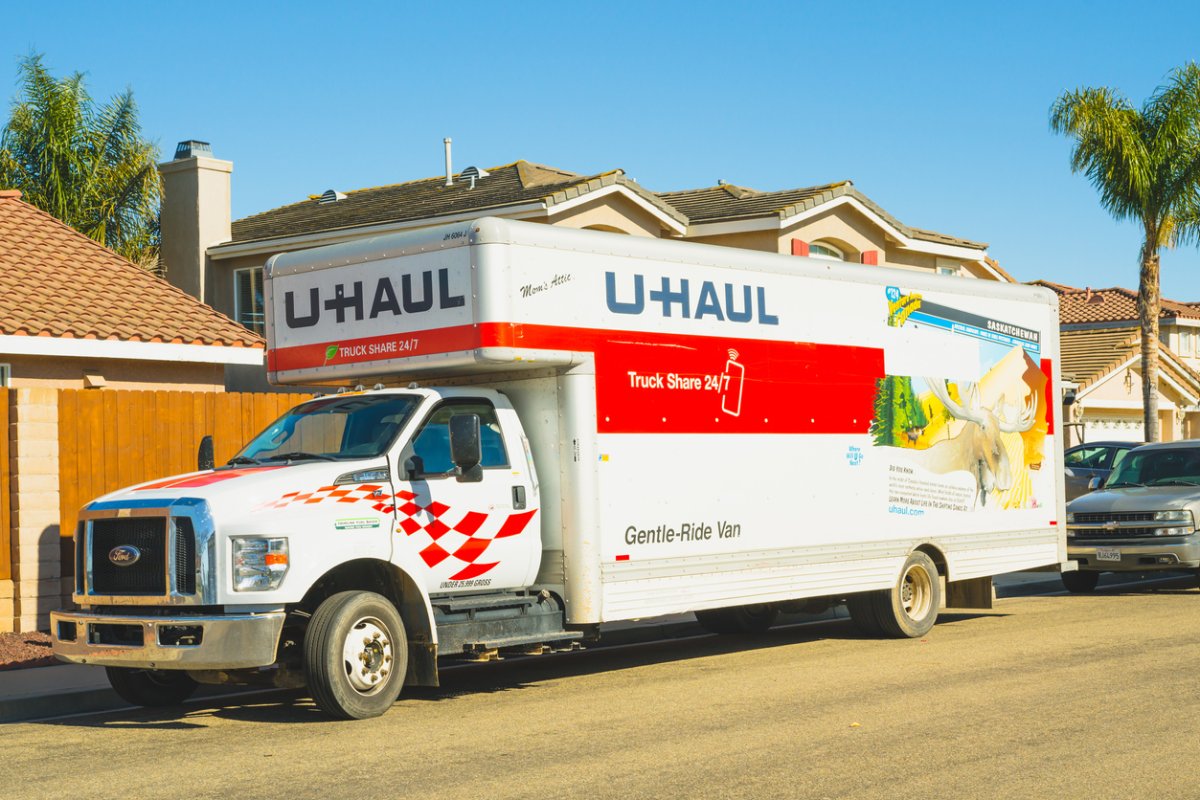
936	111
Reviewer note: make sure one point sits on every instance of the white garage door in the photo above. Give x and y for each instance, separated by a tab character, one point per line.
1124	429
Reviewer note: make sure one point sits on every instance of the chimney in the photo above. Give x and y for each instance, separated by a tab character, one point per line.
195	215
449	171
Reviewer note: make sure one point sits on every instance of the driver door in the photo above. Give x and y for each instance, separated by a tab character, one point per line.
468	536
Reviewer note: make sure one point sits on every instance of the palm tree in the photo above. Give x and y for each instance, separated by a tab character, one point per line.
86	165
1146	165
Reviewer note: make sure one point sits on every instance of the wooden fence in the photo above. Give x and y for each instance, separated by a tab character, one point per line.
6	537
113	438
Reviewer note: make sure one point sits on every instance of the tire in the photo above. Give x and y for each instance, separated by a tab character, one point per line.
1080	581
910	608
355	655
738	619
153	688
862	613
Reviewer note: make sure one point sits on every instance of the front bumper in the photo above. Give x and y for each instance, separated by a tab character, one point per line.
231	641
1181	552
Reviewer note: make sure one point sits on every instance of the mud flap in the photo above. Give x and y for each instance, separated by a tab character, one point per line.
972	593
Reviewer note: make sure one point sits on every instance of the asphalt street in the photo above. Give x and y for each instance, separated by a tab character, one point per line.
1043	697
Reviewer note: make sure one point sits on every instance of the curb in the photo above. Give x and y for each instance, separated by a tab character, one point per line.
19	709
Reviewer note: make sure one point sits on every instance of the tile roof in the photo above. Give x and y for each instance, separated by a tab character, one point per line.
525	182
508	185
1081	306
726	203
57	282
994	264
1091	355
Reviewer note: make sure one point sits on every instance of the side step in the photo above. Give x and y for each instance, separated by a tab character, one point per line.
478	627
541	644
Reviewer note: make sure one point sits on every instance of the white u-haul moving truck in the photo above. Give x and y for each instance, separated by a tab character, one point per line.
573	428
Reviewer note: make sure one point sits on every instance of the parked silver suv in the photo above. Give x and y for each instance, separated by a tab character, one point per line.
1143	518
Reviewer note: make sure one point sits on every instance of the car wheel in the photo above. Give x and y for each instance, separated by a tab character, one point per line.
739	619
1080	581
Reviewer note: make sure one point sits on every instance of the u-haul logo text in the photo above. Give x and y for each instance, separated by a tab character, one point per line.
416	296
722	302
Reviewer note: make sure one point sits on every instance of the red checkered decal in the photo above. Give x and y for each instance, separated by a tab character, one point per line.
465	541
338	494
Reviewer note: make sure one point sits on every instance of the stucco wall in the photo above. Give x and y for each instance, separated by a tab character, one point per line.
70	373
612	213
765	241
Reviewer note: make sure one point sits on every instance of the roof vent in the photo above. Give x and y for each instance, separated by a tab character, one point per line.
473	174
193	148
330	196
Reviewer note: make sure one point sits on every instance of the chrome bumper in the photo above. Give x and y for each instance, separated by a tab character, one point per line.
1179	552
231	641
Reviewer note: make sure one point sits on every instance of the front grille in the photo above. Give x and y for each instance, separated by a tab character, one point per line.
1117	533
145	576
185	555
1114	516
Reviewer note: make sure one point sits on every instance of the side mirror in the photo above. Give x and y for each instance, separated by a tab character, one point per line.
204	457
1095	483
465	449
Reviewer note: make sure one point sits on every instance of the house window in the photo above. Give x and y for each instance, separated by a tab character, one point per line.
825	250
248	298
1185	343
5	376
946	266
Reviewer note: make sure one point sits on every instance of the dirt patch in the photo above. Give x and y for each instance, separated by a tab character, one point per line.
19	650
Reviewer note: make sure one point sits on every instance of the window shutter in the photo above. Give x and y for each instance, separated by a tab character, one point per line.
799	247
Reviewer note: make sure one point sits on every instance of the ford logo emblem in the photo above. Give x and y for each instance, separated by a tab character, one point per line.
124	555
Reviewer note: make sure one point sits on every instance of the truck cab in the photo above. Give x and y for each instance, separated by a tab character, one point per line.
410	493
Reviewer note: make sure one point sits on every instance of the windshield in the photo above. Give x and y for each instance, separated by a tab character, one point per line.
1176	465
337	427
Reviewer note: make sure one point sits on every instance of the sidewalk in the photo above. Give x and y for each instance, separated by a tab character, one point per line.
65	689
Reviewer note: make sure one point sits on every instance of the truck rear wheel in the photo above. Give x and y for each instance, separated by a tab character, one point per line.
1079	581
908	609
150	687
738	619
862	613
355	655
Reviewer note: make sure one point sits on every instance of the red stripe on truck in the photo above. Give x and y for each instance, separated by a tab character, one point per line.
204	479
665	383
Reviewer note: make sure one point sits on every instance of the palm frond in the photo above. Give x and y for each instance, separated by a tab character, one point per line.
1110	146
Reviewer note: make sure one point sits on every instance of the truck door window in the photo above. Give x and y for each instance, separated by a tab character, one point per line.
432	443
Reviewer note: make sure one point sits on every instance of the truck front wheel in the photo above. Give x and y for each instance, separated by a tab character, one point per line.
150	687
355	655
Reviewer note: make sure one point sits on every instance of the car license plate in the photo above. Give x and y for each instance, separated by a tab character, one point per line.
1108	554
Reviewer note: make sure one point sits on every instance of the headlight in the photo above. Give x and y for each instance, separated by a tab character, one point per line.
1070	518
1179	515
259	564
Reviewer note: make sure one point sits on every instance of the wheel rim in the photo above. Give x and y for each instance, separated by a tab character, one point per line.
916	592
367	655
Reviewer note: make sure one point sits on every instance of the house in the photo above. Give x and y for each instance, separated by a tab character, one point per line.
220	260
1101	358
75	315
